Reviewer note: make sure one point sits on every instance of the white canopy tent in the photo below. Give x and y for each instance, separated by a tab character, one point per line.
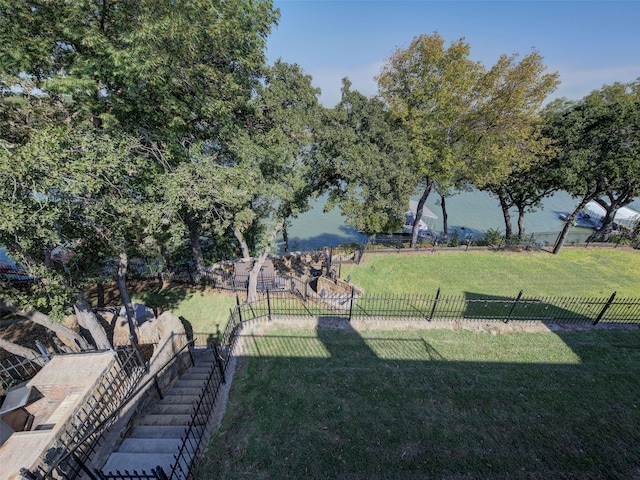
428	217
624	216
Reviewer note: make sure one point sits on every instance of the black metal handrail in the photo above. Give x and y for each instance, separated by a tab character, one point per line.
105	423
189	449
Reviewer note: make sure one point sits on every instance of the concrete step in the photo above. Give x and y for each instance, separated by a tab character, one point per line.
170	398
170	419
185	392
182	383
161	408
193	376
140	462
150	445
162	431
201	367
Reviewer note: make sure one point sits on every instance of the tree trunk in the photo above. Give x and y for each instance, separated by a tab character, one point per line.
166	257
508	231
419	210
196	248
123	265
23	352
445	217
520	223
285	238
41	319
243	243
252	288
611	210
568	224
88	320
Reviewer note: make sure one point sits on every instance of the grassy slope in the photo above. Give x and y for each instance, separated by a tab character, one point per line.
574	272
432	404
202	310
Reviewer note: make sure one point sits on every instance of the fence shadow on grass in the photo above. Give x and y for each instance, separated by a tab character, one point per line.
481	306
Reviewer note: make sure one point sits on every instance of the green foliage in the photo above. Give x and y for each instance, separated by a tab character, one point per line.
493	236
365	156
598	144
454	241
466	123
120	115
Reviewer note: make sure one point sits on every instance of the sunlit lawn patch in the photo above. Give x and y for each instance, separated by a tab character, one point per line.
574	272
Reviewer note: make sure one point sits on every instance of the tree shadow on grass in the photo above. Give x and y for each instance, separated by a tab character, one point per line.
151	292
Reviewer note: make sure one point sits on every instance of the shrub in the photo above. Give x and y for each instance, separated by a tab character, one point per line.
455	239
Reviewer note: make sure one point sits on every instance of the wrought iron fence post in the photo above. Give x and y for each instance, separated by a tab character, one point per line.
157	385
159	472
605	308
268	305
218	359
193	360
619	240
513	307
435	304
351	304
84	468
136	348
238	306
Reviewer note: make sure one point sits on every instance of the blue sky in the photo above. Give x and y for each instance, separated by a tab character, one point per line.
590	43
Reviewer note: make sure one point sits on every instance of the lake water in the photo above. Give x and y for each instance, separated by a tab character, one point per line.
469	213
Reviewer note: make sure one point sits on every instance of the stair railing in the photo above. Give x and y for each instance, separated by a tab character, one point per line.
71	455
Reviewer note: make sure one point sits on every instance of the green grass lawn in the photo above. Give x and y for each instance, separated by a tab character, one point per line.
574	272
201	310
340	404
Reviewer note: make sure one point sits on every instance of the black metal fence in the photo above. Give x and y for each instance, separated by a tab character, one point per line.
80	439
389	308
438	307
195	438
15	369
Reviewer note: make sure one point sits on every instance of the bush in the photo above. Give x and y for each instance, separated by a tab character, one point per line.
455	239
493	237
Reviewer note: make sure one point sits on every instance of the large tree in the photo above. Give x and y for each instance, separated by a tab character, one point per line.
175	74
598	143
363	160
432	88
506	138
272	162
38	221
467	124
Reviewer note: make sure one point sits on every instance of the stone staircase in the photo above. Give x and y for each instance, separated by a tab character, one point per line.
156	440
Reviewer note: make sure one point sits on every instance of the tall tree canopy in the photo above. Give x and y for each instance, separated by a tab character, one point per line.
598	139
432	89
466	124
177	75
274	155
506	134
364	155
91	93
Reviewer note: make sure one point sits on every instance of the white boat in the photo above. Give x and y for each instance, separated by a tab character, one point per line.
426	226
